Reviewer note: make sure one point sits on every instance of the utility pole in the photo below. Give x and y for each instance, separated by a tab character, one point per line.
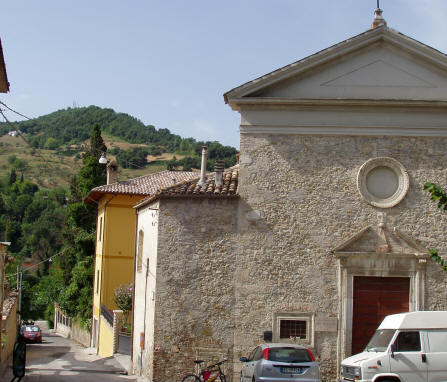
19	289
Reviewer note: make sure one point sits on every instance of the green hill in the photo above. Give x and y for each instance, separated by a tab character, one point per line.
50	148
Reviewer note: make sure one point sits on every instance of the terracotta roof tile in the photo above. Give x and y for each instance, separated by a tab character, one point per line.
191	188
144	185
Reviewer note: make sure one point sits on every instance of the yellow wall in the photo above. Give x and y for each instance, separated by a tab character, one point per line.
9	326
105	343
114	257
119	246
98	264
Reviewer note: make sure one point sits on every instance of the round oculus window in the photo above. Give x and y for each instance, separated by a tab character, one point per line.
382	182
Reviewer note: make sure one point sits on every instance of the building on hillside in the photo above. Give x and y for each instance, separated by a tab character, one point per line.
14	133
327	230
114	258
4	84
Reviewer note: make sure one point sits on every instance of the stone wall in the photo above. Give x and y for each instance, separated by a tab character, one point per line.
9	325
194	317
298	201
66	327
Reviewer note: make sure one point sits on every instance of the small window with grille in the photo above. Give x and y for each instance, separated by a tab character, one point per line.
293	329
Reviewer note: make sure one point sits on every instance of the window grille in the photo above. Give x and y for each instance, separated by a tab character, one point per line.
293	329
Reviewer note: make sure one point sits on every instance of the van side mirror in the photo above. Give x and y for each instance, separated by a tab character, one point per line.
393	349
243	359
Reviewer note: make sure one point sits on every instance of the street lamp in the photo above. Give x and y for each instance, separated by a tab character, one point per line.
103	159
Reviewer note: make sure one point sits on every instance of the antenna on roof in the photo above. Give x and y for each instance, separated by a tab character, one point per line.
378	19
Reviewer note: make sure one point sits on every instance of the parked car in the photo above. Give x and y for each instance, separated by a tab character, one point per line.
31	333
407	347
273	362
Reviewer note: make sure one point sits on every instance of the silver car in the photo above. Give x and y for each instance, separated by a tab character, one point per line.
280	363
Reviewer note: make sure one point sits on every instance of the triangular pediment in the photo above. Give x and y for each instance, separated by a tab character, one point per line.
378	73
380	240
379	64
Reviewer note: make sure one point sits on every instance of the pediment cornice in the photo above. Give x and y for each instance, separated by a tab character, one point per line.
380	241
382	34
266	103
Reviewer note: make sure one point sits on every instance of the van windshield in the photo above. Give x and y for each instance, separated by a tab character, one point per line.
380	340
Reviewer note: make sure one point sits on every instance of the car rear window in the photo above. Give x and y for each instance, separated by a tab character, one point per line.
286	354
31	329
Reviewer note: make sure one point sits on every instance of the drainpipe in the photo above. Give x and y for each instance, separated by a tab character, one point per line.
202	180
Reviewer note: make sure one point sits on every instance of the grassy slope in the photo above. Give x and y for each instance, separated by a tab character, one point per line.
49	169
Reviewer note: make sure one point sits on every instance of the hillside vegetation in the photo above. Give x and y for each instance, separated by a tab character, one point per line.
51	230
50	149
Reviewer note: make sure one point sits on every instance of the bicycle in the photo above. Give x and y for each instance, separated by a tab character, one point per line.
206	373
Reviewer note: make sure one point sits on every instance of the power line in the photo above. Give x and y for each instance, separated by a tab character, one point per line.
35	265
24	116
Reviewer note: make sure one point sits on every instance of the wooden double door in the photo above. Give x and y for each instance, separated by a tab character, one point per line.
373	299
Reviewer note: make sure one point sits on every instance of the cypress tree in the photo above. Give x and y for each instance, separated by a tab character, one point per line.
80	233
12	177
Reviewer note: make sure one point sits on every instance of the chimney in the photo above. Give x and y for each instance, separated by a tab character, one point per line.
202	180
378	19
112	172
219	169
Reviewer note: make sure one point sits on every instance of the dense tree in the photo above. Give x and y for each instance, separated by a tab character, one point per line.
12	177
133	158
31	219
439	196
77	260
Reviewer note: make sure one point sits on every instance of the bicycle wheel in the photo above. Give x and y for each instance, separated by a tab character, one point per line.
191	378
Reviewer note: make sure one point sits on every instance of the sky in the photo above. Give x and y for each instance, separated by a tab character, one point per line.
169	62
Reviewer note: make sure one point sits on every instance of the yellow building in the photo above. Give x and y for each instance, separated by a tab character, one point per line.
115	243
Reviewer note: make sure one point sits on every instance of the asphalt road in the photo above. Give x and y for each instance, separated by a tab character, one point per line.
59	359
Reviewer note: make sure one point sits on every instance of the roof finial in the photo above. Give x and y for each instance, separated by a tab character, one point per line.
378	19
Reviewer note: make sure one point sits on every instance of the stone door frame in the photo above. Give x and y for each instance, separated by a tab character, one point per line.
354	264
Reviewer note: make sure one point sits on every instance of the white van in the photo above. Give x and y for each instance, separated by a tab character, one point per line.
407	347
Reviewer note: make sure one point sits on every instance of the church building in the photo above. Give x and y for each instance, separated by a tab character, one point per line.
321	230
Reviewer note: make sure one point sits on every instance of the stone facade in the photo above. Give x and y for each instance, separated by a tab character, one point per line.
222	272
303	192
192	309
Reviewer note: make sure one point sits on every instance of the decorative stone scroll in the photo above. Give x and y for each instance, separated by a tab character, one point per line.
383	182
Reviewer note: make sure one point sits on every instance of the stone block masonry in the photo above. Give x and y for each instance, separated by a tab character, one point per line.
194	307
298	201
221	271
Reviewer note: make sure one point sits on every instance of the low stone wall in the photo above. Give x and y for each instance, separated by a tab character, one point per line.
64	325
9	325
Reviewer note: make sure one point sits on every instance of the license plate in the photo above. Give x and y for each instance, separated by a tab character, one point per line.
292	370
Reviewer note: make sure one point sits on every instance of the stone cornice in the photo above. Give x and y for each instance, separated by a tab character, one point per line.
396	131
281	103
